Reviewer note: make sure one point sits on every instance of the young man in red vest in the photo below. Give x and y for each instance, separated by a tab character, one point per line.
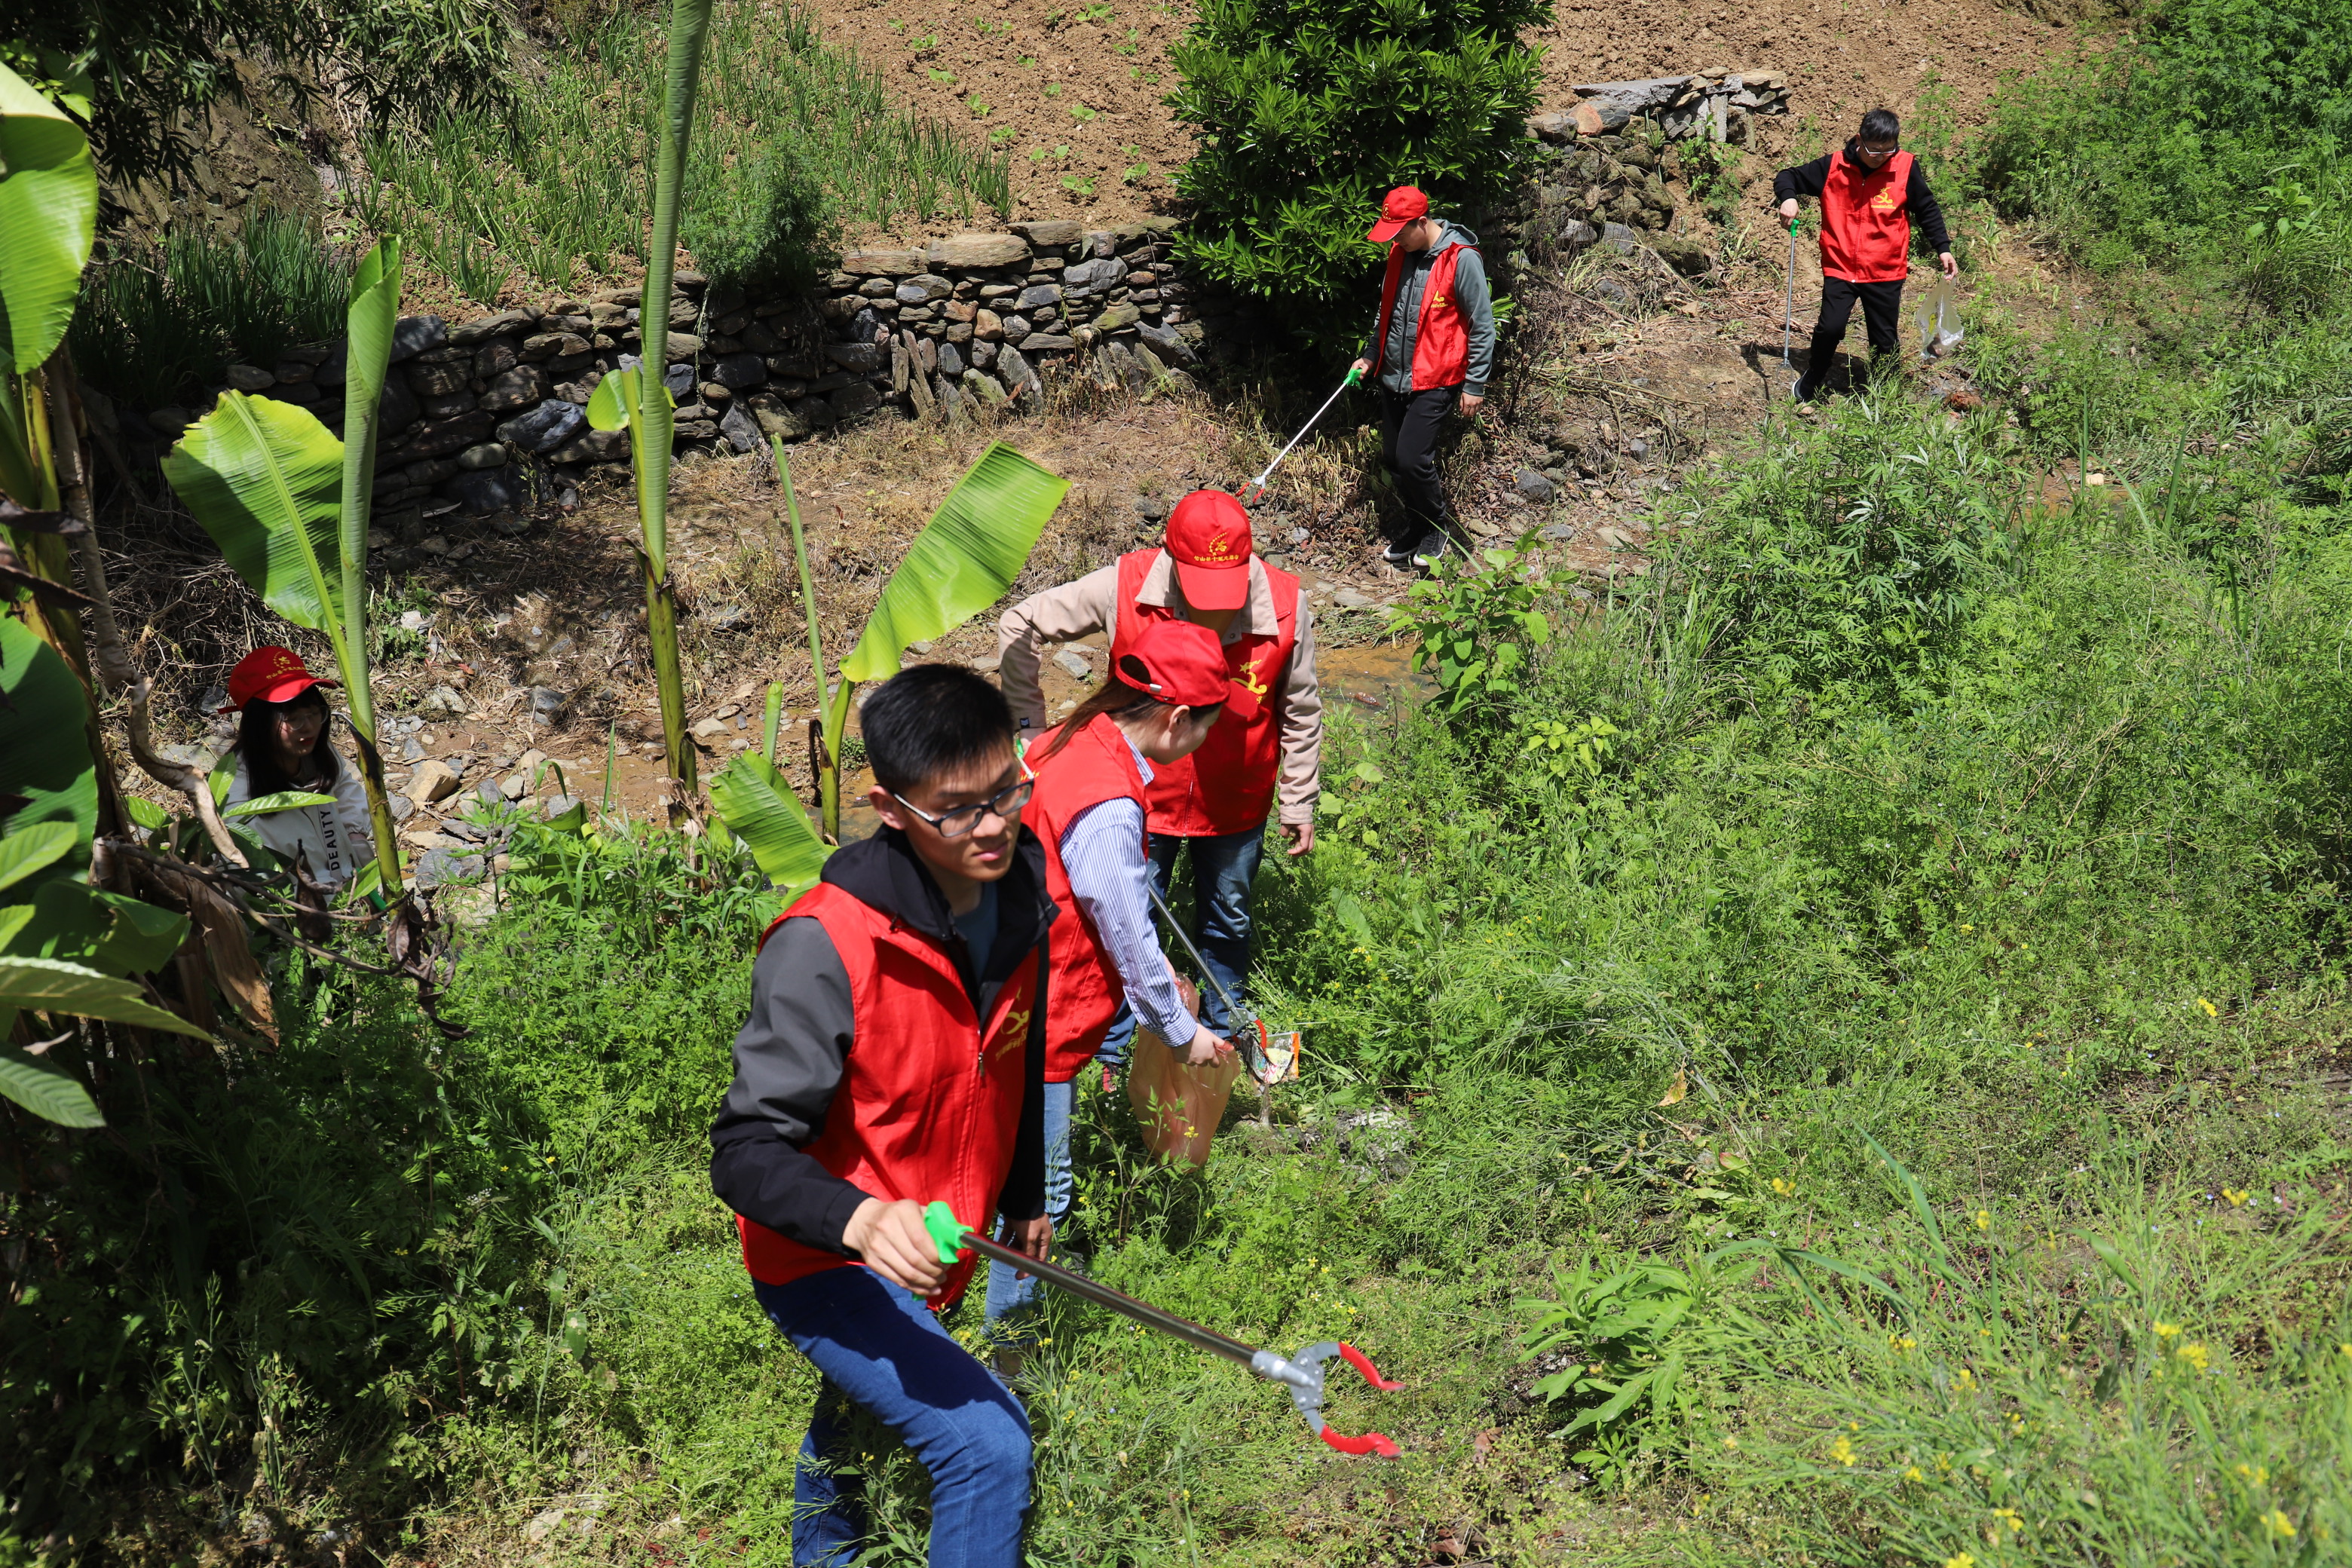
1869	192
895	1054
1432	347
1217	799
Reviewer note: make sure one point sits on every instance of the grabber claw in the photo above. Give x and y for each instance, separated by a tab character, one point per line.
1303	1375
1255	492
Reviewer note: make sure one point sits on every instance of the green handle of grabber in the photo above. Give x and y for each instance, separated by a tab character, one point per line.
947	1231
1354	375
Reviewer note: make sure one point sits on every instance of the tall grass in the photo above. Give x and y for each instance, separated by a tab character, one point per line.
158	321
794	138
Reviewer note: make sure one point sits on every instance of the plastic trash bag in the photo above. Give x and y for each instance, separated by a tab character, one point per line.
1936	315
1179	1107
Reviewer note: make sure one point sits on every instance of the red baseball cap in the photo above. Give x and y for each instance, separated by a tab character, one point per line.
1178	661
1402	207
273	674
1209	540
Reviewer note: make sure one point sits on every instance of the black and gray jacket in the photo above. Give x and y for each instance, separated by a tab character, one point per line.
793	1049
1470	293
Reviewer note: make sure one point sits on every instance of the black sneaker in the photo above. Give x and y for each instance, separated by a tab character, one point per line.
1397	552
1805	389
1430	549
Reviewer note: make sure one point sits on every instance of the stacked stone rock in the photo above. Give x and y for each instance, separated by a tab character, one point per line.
1713	104
473	415
968	320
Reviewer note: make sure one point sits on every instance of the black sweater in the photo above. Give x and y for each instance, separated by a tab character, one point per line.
794	1047
1810	179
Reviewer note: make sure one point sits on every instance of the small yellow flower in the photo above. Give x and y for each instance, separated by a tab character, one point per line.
2237	1195
1943	1464
1730	1442
1914	1474
1962	1561
1984	1220
1964	1379
2278	1524
1782	1185
2210	1010
1903	1342
2009	1517
1965	926
2196	1355
2165	1331
1842	1450
2255	1475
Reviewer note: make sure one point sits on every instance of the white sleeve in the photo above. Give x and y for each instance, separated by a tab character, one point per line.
1102	851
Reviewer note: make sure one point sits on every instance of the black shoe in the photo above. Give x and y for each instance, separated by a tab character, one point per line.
1430	549
1397	552
1805	389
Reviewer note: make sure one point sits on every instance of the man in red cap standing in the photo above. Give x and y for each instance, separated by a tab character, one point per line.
1431	350
1217	799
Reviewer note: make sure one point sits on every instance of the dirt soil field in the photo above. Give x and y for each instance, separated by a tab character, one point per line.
1076	92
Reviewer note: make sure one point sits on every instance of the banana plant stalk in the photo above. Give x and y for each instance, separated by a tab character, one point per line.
374	311
654	425
823	760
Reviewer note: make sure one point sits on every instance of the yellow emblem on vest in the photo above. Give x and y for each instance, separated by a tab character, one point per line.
1013	1030
1440	303
1885	200
1247	680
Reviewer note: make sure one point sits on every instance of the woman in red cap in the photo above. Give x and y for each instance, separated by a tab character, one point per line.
281	746
1430	353
1167	691
1217	801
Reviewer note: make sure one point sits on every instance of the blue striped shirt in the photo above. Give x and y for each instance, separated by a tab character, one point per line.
1102	850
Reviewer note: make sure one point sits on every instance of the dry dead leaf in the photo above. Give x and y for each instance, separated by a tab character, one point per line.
1680	1088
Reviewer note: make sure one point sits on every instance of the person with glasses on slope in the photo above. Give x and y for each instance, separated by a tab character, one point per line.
894	1056
1869	192
1168	688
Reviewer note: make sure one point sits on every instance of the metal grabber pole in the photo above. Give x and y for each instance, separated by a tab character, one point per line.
1302	1373
1256	490
1789	308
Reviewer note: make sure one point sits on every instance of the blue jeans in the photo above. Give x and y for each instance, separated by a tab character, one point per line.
878	1345
1005	1293
1224	867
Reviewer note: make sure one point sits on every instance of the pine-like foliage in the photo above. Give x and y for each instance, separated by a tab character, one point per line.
1308	111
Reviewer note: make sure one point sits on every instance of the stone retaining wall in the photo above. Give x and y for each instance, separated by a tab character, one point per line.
481	415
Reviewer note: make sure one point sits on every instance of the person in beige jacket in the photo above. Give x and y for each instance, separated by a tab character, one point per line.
1217	800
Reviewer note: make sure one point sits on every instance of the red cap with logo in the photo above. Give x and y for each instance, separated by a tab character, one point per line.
1180	662
272	674
1401	207
1209	540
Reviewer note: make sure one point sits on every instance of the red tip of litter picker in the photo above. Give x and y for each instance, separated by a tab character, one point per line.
1371	1374
1375	1443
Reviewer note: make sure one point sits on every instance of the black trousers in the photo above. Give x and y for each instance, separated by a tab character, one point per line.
1410	422
1882	307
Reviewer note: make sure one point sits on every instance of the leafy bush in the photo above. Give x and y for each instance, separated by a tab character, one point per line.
1307	112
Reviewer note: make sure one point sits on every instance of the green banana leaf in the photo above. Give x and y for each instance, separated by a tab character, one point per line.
53	985
962	562
111	933
21	854
46	1092
269	804
42	754
265	480
761	809
49	214
615	404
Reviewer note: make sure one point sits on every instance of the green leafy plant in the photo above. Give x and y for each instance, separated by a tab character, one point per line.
1475	623
1568	752
1081	113
1306	112
1135	173
1079	184
980	110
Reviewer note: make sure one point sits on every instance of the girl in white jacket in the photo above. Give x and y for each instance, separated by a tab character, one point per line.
282	746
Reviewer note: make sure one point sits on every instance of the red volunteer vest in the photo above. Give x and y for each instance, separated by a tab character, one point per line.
1440	345
929	1101
1226	786
1096	767
1866	226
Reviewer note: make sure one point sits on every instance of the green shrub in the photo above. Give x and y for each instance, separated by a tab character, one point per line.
1308	113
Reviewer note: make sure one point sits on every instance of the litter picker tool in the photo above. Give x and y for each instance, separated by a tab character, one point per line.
1302	1374
1277	1056
1789	308
1256	490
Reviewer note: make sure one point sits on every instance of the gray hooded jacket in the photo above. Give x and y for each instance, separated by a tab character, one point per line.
1404	321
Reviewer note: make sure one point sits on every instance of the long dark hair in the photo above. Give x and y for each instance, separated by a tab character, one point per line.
257	743
1114	697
